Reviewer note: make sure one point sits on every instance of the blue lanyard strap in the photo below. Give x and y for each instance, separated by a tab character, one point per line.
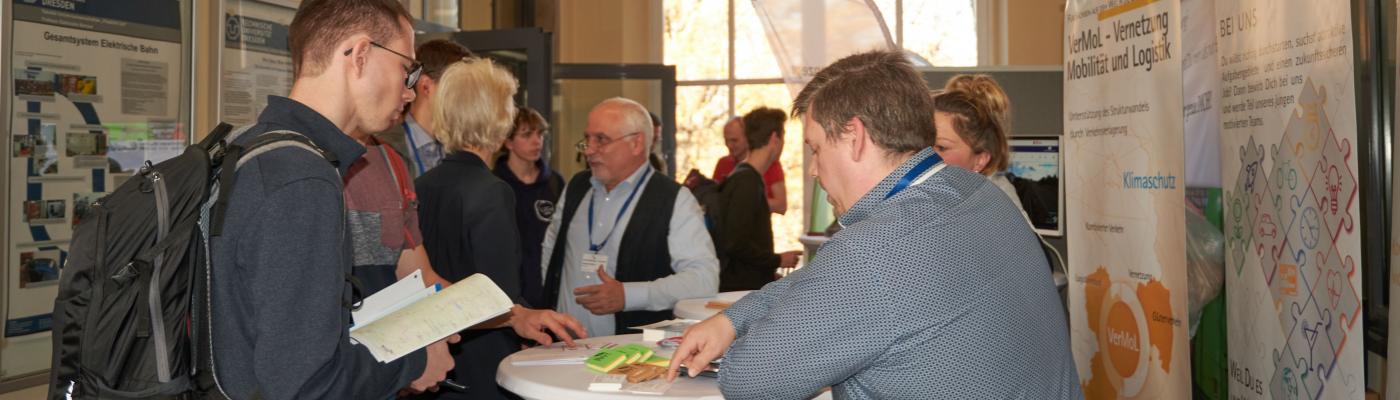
625	204
413	147
908	178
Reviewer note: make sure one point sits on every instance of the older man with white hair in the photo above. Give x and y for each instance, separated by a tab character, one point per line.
606	268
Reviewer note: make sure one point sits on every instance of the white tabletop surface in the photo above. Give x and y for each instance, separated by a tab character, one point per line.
571	381
695	308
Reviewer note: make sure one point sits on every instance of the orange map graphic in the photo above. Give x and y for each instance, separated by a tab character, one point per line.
1127	329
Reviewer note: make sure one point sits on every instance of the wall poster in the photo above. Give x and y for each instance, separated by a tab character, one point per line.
96	89
255	58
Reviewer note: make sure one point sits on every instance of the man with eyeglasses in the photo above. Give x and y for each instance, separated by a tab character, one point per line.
414	136
628	243
280	269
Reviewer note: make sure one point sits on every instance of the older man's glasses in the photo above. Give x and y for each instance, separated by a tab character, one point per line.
599	141
415	69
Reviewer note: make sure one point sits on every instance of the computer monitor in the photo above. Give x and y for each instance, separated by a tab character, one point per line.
1035	169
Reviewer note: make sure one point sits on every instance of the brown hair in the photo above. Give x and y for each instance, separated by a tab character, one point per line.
880	88
761	122
976	122
986	88
527	116
320	25
437	54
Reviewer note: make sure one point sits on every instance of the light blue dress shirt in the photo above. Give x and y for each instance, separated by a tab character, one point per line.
692	253
938	292
425	152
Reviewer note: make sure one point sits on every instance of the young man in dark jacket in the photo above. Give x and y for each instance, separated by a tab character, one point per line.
745	233
279	284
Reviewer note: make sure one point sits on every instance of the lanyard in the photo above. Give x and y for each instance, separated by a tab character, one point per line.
599	246
909	177
408	133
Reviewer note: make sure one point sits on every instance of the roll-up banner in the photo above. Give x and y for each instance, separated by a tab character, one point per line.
1125	196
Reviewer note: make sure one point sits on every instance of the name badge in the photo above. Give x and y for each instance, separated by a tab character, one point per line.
592	261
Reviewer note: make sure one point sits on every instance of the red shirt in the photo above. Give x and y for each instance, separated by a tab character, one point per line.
726	165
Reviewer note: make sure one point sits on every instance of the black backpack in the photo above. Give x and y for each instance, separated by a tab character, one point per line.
131	316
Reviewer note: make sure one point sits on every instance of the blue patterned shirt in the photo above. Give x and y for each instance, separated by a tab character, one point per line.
425	151
940	291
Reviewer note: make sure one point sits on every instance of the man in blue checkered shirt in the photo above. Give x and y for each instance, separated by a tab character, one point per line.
935	288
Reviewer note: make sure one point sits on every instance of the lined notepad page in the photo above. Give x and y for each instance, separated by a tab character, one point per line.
468	302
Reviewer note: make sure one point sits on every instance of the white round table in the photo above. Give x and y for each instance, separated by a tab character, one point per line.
571	381
695	308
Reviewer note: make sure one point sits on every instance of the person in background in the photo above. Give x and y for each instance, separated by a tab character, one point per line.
281	267
536	189
971	115
414	137
645	230
745	233
468	220
773	177
657	159
910	289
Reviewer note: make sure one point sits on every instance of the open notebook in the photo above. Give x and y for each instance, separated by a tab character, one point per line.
409	317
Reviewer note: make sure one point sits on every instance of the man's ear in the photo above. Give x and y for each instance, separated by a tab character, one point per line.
426	86
860	138
639	146
357	56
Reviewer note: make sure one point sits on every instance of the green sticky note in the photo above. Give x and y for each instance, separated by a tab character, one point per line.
633	353
643	352
658	361
605	360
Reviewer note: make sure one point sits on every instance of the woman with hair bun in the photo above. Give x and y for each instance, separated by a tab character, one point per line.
971	116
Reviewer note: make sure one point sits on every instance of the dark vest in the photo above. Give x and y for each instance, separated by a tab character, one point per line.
644	254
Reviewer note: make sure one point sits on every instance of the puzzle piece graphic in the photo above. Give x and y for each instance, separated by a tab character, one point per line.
1288	375
1307	128
1336	186
1300	230
1251	166
1242	204
1309	343
1270	232
1336	294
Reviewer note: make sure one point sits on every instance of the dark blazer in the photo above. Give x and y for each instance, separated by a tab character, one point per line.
745	233
467	216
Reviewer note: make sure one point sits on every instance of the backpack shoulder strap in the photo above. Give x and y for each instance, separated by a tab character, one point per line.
241	154
398	170
274	140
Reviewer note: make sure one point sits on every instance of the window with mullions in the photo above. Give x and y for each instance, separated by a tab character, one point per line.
725	67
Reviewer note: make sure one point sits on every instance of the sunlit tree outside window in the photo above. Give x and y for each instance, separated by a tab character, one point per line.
725	67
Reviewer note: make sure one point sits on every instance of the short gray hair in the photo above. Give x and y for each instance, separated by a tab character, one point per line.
635	117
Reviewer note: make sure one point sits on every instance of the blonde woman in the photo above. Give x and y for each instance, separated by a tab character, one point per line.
972	116
467	215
